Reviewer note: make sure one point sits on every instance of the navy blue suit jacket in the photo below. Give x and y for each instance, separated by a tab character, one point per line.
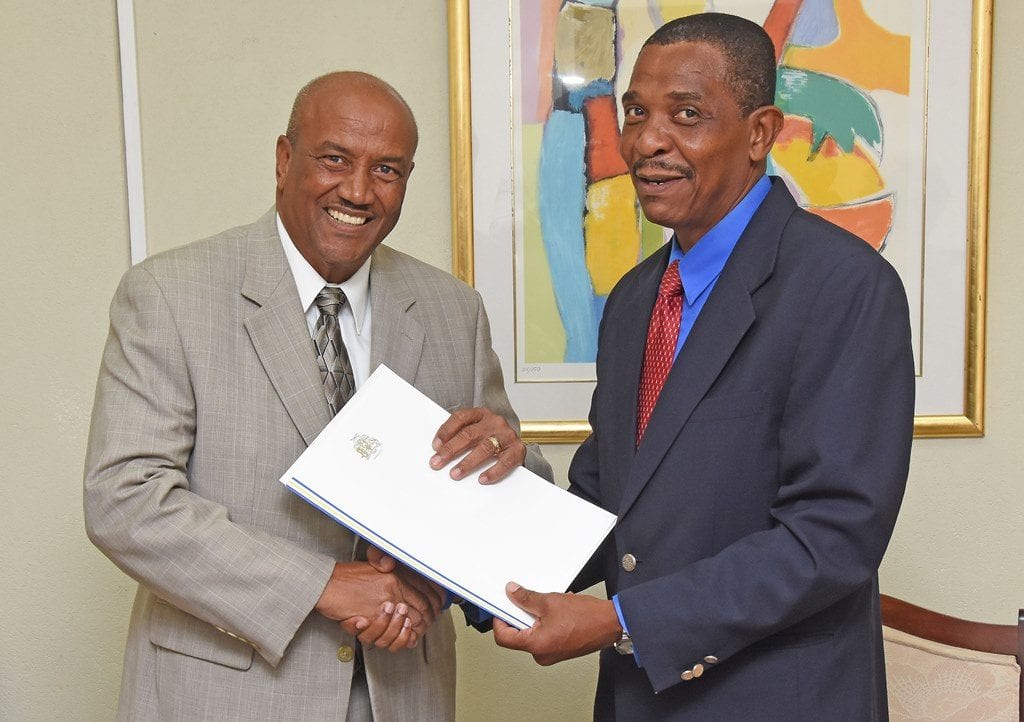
765	491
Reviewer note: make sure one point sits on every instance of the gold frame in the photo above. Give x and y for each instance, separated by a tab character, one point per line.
970	423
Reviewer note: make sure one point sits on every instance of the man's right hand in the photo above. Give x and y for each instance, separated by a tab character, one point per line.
359	590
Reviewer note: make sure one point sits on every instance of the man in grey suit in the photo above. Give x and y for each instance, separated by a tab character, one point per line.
251	604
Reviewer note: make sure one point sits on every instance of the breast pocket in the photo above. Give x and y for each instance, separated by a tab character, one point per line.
736	405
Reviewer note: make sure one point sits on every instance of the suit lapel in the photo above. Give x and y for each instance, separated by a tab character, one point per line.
397	335
279	332
722	324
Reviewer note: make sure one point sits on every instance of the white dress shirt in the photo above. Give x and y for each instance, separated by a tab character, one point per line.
354	317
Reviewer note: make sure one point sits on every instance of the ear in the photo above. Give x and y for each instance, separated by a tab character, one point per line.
284	156
765	123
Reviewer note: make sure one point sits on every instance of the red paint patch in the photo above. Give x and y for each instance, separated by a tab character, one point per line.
603	159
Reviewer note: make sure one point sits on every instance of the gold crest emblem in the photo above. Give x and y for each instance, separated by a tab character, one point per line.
366	446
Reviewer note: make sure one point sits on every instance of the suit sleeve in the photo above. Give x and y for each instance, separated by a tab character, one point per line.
844	445
140	511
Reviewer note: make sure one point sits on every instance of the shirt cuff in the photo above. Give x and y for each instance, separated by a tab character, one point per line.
625	628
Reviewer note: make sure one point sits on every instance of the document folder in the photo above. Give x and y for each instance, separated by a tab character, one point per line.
368	469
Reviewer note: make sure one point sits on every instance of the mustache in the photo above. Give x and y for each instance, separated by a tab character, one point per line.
658	164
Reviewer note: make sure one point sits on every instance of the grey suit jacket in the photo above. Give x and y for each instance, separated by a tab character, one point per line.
208	390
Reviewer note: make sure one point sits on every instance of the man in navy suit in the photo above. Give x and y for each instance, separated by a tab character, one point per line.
755	446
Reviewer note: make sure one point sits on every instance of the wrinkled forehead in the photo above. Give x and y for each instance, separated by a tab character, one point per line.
680	67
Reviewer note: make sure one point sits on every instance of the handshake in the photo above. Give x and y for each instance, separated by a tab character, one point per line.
354	594
387	605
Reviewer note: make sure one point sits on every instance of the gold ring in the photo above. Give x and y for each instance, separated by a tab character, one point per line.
495	443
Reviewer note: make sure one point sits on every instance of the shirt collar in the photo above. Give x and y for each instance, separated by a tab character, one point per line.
703	263
310	283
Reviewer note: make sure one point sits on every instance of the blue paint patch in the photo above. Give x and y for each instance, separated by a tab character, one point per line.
816	24
561	192
593	89
596	3
599	302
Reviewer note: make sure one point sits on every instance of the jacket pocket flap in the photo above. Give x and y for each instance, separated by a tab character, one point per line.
175	630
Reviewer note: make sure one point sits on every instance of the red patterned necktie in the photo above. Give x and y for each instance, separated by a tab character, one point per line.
659	352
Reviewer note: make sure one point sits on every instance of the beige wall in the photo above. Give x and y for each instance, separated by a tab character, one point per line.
216	84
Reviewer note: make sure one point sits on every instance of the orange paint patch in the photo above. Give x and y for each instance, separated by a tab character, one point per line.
603	159
872	221
779	23
865	54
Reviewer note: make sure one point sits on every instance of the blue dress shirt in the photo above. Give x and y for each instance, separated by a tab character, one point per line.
699	269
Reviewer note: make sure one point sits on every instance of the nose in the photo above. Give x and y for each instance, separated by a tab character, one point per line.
651	139
356	187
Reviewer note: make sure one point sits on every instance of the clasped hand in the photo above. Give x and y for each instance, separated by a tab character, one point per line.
381	602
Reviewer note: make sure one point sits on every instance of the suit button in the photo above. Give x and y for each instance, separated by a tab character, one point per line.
628	562
686	676
698	669
346	653
710	660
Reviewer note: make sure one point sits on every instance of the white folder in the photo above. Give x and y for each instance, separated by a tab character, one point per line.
368	469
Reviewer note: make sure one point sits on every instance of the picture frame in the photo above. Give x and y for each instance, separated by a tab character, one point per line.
946	287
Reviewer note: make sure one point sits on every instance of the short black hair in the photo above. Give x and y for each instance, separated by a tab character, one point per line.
748	50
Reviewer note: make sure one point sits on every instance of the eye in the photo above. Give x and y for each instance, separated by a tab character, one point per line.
332	161
633	113
388	172
688	115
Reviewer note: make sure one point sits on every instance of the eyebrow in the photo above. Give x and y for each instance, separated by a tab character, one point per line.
630	95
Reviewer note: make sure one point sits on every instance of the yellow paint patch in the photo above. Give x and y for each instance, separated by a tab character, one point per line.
672	9
611	229
830	178
865	53
544	335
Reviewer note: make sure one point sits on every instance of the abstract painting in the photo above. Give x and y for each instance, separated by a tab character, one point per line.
546	220
844	84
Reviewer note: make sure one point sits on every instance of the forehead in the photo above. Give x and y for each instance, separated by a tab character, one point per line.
689	67
333	114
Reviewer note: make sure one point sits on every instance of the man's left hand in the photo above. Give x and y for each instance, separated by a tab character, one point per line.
486	436
567	626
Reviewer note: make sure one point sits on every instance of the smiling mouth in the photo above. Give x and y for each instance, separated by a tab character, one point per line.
345	218
656	182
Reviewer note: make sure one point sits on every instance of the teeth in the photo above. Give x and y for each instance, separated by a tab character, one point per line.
345	218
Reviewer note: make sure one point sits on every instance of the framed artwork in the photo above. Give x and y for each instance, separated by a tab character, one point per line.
886	134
